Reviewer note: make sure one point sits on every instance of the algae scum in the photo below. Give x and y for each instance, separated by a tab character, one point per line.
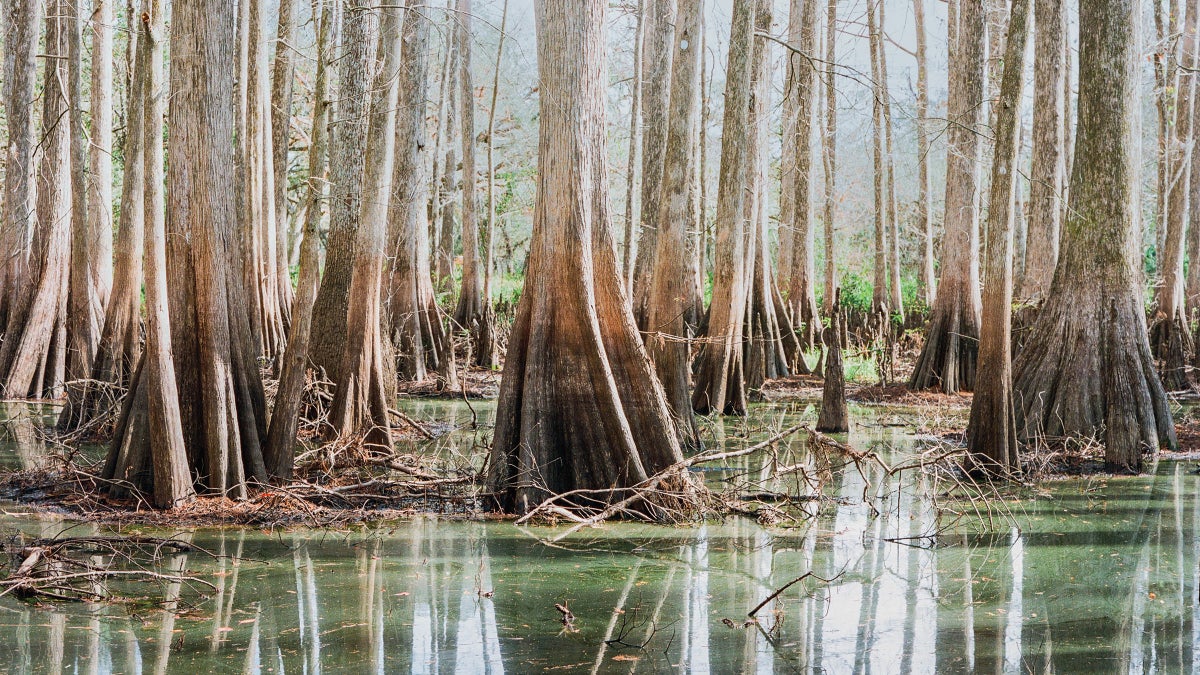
1090	575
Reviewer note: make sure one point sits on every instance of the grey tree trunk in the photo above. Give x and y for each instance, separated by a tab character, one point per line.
720	384
1046	173
346	150
657	49
829	154
992	438
924	188
360	403
413	317
948	358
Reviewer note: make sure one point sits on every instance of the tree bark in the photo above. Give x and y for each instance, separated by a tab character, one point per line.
666	339
1170	338
829	154
834	416
221	400
148	453
283	71
33	351
100	187
948	357
413	317
1086	369
119	348
924	188
991	438
279	450
801	274
720	385
658	40
1046	175
346	150
360	404
579	404
20	186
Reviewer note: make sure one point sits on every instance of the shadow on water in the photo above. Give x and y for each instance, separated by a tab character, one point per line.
1094	580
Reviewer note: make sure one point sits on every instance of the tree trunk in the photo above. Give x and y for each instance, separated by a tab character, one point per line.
948	357
85	310
834	417
281	116
413	316
879	288
924	188
829	155
658	40
764	356
991	439
801	275
120	338
346	150
666	339
148	452
444	264
360	404
1170	338
1086	369
895	284
720	386
20	187
279	451
1046	175
635	145
221	398
31	356
100	187
470	308
579	404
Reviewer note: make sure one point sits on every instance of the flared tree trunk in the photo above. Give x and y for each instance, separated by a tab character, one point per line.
413	317
720	385
85	309
948	357
1086	369
666	339
148	454
32	356
991	437
579	404
470	311
20	188
767	324
279	451
120	338
1170	337
834	416
800	275
346	150
1046	175
360	404
658	45
221	400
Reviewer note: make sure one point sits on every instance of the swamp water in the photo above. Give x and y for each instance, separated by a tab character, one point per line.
1095	575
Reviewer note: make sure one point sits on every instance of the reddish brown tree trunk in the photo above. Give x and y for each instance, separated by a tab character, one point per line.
579	404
